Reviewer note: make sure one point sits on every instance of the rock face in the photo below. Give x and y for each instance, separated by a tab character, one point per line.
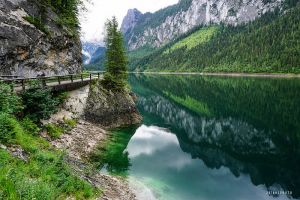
129	21
111	109
25	50
188	14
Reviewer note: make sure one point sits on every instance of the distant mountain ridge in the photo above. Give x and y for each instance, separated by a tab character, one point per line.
97	60
88	49
161	27
269	44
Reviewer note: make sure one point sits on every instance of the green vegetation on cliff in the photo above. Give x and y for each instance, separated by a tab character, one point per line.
67	15
199	37
268	44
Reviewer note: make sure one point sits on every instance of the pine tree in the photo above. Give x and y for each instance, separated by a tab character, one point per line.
115	76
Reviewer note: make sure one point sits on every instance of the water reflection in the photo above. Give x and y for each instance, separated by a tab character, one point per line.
159	163
214	138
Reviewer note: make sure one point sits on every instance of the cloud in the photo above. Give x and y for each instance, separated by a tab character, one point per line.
92	21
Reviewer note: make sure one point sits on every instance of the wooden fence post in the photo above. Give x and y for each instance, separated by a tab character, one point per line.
81	76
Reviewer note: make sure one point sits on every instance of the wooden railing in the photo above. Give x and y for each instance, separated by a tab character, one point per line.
21	83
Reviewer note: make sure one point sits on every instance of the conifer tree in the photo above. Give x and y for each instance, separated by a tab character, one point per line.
115	76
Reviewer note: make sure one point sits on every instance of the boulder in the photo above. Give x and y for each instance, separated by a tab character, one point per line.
111	109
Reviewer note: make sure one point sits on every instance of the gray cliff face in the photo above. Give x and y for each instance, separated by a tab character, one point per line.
111	109
200	12
26	50
130	20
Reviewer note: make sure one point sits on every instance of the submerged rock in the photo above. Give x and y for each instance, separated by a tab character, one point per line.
111	109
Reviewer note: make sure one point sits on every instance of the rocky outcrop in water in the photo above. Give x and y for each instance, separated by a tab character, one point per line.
111	109
26	50
161	27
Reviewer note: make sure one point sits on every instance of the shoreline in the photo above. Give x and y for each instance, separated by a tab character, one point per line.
230	74
81	141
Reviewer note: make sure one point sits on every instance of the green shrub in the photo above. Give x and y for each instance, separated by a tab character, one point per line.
9	127
61	96
70	123
9	101
29	126
39	103
54	131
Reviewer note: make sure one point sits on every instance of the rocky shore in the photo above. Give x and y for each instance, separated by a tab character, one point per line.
109	110
78	144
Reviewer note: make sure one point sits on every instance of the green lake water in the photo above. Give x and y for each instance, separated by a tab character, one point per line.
208	137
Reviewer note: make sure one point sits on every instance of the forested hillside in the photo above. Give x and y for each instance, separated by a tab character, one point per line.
268	44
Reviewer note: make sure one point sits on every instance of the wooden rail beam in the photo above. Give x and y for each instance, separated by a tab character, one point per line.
21	83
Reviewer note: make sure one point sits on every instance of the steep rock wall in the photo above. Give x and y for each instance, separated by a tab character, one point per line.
26	51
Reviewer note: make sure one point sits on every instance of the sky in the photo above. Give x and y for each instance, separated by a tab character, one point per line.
92	21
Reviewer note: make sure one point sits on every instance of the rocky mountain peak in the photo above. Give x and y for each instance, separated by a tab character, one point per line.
168	23
130	19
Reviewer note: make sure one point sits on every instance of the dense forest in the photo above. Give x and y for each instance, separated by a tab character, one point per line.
268	44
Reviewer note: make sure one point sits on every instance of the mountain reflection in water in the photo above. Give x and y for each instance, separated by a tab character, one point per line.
215	138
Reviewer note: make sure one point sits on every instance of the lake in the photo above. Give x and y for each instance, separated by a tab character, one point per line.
209	137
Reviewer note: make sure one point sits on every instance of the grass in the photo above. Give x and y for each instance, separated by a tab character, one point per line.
71	123
44	176
54	131
199	37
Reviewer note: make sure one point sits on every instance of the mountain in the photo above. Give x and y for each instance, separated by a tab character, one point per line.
37	37
130	20
88	49
156	29
98	55
97	60
267	44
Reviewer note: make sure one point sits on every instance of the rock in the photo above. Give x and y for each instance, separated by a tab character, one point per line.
81	140
18	152
111	109
129	21
25	50
3	146
72	108
188	14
